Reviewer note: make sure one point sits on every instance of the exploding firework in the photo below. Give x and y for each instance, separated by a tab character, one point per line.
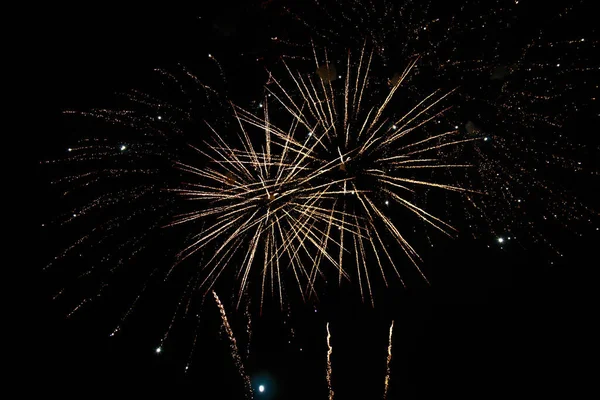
521	86
305	182
297	189
318	191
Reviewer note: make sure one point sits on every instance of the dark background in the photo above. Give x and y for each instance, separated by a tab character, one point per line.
495	322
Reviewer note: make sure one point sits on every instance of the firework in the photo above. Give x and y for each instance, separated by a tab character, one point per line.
517	95
258	199
305	197
360	153
319	192
331	173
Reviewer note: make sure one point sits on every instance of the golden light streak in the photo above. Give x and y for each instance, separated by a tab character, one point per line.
234	348
387	363
328	374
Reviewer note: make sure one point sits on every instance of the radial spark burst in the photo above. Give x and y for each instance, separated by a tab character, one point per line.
523	83
304	183
362	154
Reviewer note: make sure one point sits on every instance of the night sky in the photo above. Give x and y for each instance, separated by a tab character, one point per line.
497	320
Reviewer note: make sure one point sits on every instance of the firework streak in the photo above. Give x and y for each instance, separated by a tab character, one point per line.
387	363
235	354
328	376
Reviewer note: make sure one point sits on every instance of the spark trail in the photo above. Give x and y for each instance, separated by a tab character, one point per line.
235	354
300	184
328	374
387	363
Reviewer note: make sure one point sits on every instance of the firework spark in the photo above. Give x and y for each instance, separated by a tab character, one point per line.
235	354
387	363
328	374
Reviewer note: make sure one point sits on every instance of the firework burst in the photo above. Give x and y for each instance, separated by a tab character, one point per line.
325	178
362	155
265	199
